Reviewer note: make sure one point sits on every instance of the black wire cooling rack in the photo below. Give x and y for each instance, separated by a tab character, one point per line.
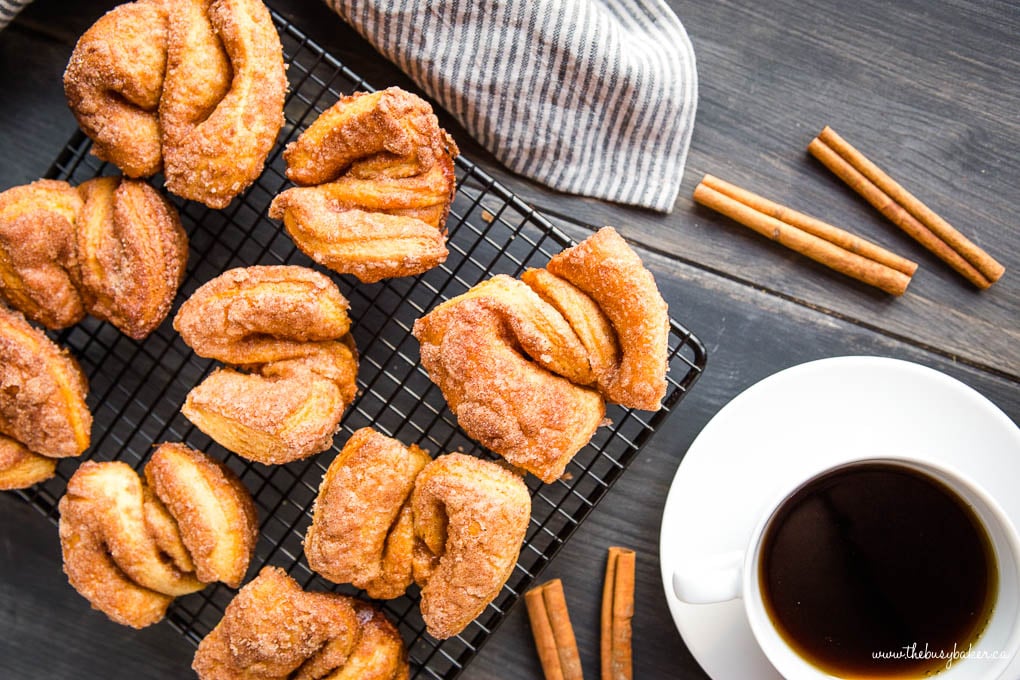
137	388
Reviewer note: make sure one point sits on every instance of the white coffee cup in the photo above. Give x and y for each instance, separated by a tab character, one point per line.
732	575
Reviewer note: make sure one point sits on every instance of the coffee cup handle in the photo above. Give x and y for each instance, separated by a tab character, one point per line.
714	579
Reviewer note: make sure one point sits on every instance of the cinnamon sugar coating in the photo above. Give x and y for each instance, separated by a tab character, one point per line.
387	515
376	178
535	418
609	271
132	253
589	323
254	315
113	247
130	546
273	630
38	259
470	518
287	328
20	468
42	402
362	531
193	88
527	366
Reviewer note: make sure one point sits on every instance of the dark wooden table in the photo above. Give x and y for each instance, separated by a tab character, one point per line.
931	91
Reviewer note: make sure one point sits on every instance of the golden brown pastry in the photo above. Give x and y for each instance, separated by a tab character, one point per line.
362	530
586	319
271	421
20	468
42	403
132	253
194	88
113	248
612	274
527	366
254	315
538	328
387	515
470	518
130	546
369	245
38	259
536	419
273	630
376	178
287	328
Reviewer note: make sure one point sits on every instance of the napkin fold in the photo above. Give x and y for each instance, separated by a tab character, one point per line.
9	9
589	97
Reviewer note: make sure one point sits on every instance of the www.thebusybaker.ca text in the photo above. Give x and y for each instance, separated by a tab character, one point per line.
913	651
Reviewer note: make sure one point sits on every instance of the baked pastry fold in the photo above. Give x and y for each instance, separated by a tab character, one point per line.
528	366
273	630
287	329
386	516
605	268
113	248
362	530
193	88
43	414
376	179
503	398
131	546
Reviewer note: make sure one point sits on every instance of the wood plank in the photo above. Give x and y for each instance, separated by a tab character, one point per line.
771	76
929	91
50	631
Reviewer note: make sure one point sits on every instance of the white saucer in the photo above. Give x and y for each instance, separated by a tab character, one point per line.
792	421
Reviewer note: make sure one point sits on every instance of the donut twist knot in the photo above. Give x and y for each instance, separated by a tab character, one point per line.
388	516
273	630
376	179
286	330
527	366
131	546
43	415
112	247
194	88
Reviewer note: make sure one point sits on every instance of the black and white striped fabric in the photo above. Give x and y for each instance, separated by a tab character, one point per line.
590	97
9	9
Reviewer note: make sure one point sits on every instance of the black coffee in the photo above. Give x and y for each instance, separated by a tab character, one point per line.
877	558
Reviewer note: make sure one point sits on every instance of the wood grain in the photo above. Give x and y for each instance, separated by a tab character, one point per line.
929	90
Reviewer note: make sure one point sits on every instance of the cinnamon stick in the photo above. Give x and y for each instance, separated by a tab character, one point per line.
905	210
816	247
554	636
617	612
834	235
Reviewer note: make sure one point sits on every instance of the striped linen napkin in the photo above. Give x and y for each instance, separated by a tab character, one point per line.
9	9
589	97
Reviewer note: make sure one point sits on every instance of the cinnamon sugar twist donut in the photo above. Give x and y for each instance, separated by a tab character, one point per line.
273	630
376	179
362	530
20	468
527	367
386	516
112	247
191	87
43	415
287	328
131	546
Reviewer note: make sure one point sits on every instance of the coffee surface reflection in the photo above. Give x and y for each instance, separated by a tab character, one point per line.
871	567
